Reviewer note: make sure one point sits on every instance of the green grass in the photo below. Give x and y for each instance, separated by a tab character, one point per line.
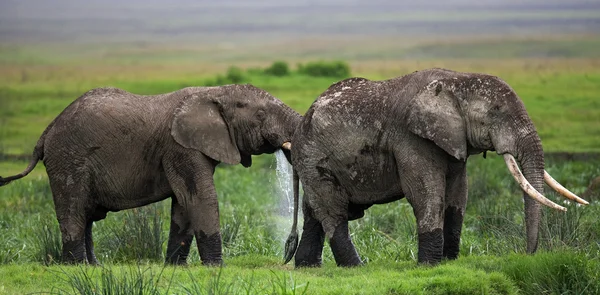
544	273
254	225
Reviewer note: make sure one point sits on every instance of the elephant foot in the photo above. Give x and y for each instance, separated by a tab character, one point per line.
310	249
178	248
300	263
452	229
343	250
182	261
209	248
94	262
213	263
70	260
430	247
74	252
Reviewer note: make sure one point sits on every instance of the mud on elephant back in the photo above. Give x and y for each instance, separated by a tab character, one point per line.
366	142
112	150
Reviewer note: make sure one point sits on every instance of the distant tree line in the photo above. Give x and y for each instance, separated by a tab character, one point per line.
333	69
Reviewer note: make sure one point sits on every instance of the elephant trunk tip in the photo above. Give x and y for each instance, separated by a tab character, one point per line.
290	246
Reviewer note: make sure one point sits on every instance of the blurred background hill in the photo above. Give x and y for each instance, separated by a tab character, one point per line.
207	21
308	28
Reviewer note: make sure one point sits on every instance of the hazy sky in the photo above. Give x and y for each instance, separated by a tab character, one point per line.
156	20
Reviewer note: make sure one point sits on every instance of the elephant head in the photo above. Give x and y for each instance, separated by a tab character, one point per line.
473	113
230	123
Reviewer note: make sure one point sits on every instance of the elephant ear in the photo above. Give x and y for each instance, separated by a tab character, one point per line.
434	115
199	124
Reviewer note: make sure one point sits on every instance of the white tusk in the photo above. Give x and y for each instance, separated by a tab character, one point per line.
511	163
562	190
287	145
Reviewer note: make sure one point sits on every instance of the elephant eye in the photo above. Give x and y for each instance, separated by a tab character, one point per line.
261	115
240	104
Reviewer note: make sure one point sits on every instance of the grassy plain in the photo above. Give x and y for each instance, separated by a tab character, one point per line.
560	95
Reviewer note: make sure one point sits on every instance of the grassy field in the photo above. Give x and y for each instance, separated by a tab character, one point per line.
255	222
560	95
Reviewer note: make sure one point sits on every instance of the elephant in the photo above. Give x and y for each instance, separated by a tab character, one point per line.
112	150
366	142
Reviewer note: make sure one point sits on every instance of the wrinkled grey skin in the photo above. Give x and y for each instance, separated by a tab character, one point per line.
111	150
368	142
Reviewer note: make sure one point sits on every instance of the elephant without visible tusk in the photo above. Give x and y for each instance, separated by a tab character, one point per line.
511	163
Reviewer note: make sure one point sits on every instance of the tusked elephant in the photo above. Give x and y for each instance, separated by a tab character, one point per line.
368	142
112	150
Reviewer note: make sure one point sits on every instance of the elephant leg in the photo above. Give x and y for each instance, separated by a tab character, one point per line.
89	244
70	200
98	214
423	181
455	206
73	239
190	175
425	192
342	247
428	212
330	206
310	249
180	240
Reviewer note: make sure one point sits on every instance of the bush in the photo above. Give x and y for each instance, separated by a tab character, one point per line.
335	69
278	69
235	75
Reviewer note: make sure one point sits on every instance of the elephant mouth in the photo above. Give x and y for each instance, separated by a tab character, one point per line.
271	146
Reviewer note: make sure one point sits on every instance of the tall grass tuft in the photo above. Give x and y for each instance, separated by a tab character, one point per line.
137	236
553	273
387	232
11	248
215	285
48	242
284	285
135	280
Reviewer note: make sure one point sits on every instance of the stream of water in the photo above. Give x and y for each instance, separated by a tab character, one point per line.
285	181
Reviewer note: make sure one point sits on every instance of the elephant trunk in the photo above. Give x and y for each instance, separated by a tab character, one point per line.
531	159
292	119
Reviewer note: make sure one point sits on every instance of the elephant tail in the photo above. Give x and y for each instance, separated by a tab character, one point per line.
38	154
292	241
